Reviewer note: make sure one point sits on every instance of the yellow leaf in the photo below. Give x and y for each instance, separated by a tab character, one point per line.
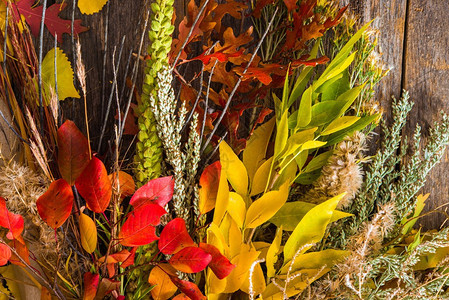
410	221
272	254
64	72
214	285
235	170
163	288
262	247
261	177
339	124
316	260
232	235
256	148
281	134
88	232
89	7
266	206
311	228
243	262
296	140
237	208
257	280
221	203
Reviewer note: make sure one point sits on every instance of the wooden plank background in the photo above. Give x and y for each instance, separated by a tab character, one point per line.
414	42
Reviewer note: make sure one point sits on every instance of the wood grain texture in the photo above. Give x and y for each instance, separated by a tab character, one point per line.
426	76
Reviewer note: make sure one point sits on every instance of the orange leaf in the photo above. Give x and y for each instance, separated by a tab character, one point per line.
88	232
126	183
5	254
190	260
45	294
209	187
55	205
94	186
163	288
21	250
158	191
73	152
139	229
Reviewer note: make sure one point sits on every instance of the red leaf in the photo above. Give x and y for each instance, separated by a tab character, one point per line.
53	22
158	191
219	55
220	265
138	229
73	152
174	237
11	221
5	254
91	282
189	288
190	260
260	4
94	186
55	205
129	261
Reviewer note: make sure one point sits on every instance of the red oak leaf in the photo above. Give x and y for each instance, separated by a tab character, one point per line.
220	265
55	205
11	221
56	25
158	191
189	288
73	152
94	186
91	282
139	229
5	254
190	260
174	237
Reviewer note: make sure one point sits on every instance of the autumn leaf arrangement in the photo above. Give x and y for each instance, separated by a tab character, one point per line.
250	177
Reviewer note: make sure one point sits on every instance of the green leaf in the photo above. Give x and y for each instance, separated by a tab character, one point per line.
349	97
285	92
310	230
293	212
305	108
64	73
340	124
419	206
325	112
335	70
318	162
357	126
332	89
316	260
297	140
308	178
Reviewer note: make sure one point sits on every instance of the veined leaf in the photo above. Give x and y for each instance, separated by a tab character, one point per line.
316	260
261	177
125	181
73	152
235	170
257	281
139	228
419	206
189	288
332	90
340	124
64	72
311	228
256	148
335	70
222	198
89	7
273	251
266	206
91	282
174	237
158	191
163	288
296	140
237	208
318	162
220	265
190	260
349	97
55	205
94	186
358	125
281	134
305	108
5	254
292	213
209	181
88	232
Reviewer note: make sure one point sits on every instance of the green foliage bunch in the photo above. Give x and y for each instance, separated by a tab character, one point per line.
148	158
